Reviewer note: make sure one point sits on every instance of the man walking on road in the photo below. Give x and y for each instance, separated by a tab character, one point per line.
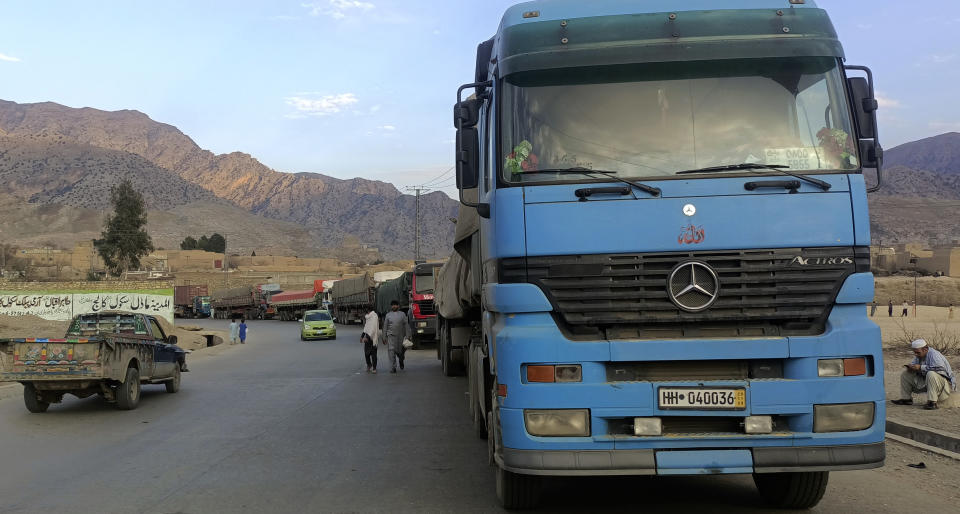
369	337
873	308
234	331
928	372
243	331
906	308
890	308
395	327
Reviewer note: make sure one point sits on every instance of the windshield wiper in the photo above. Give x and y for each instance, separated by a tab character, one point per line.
754	165
655	191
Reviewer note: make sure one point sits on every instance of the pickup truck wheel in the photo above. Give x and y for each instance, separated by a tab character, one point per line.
32	400
792	490
516	491
173	385
128	393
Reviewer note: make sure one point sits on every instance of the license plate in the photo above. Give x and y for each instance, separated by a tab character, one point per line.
702	398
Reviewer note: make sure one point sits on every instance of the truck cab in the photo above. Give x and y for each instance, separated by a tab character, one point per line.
673	245
423	311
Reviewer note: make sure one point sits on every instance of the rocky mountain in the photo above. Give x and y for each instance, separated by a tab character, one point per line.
920	197
131	143
940	154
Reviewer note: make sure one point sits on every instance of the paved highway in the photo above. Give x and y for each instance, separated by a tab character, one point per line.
279	425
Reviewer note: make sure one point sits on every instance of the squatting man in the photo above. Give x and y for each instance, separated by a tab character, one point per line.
929	372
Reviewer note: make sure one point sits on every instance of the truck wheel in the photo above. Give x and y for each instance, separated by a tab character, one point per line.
516	491
174	385
32	400
128	393
792	490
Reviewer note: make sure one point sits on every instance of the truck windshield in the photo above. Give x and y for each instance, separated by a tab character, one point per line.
317	316
424	284
653	120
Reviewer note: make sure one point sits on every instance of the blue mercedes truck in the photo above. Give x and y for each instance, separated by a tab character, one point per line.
665	223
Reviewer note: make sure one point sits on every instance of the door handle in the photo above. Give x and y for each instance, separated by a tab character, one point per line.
792	185
586	192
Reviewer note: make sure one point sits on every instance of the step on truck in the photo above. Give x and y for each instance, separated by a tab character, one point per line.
672	245
110	354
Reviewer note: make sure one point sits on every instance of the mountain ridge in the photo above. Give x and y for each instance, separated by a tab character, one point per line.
374	211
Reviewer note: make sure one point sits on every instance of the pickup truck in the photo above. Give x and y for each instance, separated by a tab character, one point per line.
110	354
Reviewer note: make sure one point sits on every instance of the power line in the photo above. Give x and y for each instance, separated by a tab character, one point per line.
445	173
416	223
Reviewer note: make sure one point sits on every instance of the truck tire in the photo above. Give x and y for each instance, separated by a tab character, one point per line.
516	491
173	385
31	399
128	393
792	490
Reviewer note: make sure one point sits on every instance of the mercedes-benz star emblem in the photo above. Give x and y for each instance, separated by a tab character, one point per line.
689	209
693	286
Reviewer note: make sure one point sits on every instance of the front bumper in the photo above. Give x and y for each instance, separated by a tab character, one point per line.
425	327
789	398
320	333
663	462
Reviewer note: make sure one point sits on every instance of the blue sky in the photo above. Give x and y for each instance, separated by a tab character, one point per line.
365	87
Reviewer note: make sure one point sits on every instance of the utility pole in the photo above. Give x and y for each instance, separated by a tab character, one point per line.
417	190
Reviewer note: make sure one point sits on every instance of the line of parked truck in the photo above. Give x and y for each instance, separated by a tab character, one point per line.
347	300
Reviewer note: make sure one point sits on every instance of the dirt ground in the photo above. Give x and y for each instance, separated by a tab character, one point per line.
931	323
939	291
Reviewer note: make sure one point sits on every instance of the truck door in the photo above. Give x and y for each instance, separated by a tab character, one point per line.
164	354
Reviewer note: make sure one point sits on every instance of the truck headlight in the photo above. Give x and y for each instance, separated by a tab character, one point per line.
842	367
557	422
421	324
843	417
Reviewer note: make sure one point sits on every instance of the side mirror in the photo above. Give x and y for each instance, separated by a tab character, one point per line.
865	105
466	113
171	339
468	158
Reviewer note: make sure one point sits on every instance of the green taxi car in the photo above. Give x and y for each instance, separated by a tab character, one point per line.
317	325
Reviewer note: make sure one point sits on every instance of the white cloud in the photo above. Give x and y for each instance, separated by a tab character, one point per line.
940	59
320	106
945	126
337	9
887	102
388	128
8	58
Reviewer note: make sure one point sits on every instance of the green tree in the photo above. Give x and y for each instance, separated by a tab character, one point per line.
203	244
216	243
189	243
124	239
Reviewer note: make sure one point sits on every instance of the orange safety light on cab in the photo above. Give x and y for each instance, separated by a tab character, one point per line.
542	374
854	367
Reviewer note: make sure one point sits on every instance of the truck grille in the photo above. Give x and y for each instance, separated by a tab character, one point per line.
427	308
775	292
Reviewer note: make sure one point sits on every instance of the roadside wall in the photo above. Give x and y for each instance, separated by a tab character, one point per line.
60	301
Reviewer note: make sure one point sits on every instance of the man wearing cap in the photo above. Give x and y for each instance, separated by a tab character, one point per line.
928	372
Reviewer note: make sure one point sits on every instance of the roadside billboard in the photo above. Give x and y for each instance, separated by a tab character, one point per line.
60	306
